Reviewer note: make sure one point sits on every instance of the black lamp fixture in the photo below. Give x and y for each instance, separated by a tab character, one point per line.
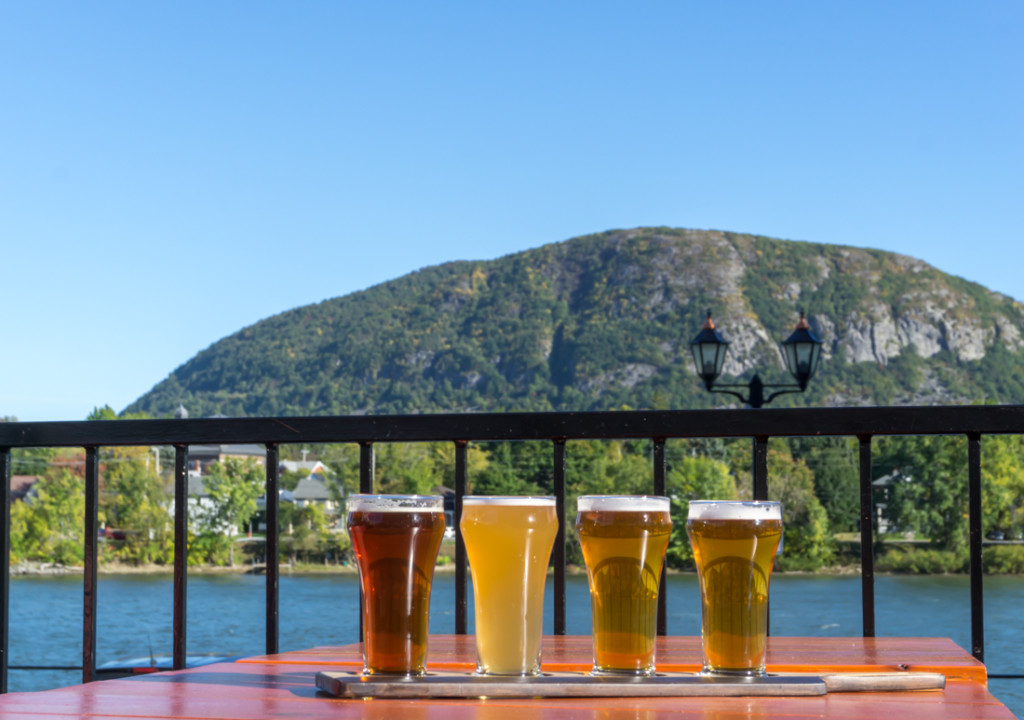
802	351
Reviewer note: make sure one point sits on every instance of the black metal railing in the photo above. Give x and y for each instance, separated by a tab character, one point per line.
461	429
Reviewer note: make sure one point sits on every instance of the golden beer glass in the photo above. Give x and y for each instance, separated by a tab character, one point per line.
734	545
508	542
395	539
623	538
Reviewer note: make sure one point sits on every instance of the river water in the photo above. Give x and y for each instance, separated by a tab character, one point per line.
226	615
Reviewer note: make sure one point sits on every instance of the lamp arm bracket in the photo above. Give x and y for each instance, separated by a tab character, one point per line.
744	400
775	394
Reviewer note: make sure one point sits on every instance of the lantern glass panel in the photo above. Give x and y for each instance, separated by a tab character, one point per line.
708	357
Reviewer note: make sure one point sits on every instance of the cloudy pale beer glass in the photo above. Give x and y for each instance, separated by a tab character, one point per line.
734	545
623	538
396	539
508	542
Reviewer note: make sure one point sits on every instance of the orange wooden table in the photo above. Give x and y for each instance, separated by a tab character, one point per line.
283	686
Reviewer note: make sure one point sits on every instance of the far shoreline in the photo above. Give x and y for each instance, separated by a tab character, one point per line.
113	569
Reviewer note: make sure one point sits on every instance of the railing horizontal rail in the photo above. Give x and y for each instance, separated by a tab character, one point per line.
555	427
943	420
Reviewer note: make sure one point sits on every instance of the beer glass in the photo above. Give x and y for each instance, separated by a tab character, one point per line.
395	539
508	541
623	538
734	545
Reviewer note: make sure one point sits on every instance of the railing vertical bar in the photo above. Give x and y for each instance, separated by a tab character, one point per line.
366	472
461	560
273	542
90	531
761	467
760	490
366	467
867	539
974	523
180	617
558	555
659	489
5	562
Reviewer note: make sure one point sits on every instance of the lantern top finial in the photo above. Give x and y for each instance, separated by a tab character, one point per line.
709	324
802	323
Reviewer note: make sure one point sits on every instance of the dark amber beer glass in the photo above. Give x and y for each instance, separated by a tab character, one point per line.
734	545
623	538
396	539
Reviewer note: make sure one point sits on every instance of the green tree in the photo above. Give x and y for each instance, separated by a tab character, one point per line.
693	477
443	455
836	466
808	545
234	486
406	468
615	467
49	527
102	413
513	467
28	533
310	532
290	479
343	461
596	467
136	501
933	500
1002	479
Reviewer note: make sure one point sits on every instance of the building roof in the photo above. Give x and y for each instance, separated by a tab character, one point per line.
314	466
21	485
311	487
196	486
282	495
218	450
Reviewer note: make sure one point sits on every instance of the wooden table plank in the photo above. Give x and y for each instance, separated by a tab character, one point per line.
225	695
283	686
572	653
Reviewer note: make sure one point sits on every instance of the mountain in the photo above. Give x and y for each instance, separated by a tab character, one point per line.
603	321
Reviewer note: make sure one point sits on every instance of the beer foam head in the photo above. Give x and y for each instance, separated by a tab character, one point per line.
735	510
394	503
523	500
622	503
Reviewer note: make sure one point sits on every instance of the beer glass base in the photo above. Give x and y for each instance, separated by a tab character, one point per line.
739	673
393	673
621	673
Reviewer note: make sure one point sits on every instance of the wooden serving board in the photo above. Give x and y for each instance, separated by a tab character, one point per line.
468	685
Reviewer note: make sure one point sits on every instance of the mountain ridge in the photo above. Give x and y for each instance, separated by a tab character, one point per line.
603	321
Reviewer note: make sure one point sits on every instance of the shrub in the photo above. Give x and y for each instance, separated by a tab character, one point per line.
209	548
1003	559
922	560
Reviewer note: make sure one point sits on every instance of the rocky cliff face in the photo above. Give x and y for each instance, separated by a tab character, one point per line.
926	321
906	304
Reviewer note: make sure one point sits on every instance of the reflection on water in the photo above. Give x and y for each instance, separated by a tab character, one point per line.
226	615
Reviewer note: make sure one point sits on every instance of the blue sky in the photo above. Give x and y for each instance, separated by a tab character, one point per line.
173	172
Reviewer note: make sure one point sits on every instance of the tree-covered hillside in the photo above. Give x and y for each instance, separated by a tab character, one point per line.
604	321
